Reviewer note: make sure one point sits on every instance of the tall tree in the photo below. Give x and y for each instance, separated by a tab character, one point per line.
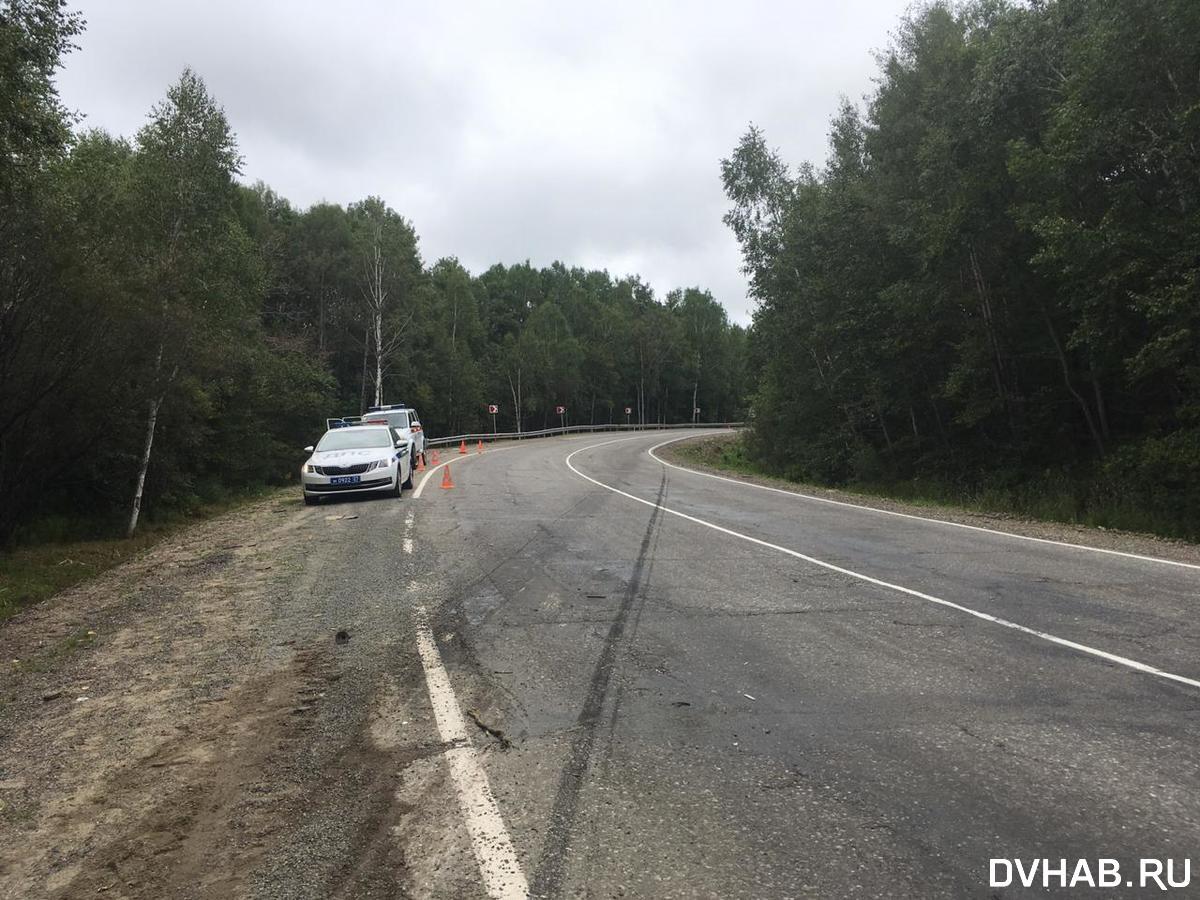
193	255
389	270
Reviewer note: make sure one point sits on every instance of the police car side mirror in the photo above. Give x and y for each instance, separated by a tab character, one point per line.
309	449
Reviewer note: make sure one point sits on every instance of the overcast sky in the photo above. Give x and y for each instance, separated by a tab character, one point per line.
504	131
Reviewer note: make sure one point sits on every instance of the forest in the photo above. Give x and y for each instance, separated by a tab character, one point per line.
169	335
991	287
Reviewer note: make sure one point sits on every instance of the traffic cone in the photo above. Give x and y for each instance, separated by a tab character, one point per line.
421	462
462	448
436	461
447	481
479	448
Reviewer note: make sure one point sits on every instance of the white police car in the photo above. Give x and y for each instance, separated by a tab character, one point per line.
404	421
356	459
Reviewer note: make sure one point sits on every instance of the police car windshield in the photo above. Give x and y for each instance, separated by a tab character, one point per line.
397	419
355	439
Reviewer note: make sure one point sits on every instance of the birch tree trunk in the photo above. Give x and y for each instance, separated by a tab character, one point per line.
379	356
515	390
362	390
151	423
153	407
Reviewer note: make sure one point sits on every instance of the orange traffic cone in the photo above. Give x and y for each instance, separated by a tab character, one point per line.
436	461
447	481
421	462
462	448
479	448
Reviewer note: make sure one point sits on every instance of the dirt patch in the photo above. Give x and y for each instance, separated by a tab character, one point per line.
137	710
1107	539
199	815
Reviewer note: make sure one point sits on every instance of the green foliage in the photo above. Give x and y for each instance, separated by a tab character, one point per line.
994	275
34	126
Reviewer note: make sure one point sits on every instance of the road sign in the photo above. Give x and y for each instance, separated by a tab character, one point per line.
560	410
493	408
628	410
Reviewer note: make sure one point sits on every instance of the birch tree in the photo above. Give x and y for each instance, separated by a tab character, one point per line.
389	271
189	248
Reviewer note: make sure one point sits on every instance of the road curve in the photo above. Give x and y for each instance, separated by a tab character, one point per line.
685	713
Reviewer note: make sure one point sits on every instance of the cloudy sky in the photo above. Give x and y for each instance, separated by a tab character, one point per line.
590	133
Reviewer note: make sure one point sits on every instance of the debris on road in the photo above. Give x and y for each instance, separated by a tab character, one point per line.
474	715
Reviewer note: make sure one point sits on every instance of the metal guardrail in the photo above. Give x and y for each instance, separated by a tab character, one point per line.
569	429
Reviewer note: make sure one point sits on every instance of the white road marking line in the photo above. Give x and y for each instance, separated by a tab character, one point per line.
888	512
456	458
408	545
987	617
498	864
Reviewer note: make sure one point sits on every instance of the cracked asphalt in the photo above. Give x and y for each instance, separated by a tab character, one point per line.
661	709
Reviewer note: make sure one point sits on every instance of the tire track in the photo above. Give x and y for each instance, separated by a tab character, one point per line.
551	870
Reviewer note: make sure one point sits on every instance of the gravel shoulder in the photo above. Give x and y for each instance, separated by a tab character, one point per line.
190	724
1107	539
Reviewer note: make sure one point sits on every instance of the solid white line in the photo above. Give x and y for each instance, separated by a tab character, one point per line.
497	860
900	515
987	617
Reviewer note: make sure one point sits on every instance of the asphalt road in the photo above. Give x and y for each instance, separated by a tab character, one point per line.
586	673
692	713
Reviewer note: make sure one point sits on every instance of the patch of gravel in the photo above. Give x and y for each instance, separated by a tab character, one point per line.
1085	535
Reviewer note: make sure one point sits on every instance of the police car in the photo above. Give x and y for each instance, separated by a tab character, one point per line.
356	459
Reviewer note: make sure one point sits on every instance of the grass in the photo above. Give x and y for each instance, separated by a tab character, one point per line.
1039	500
51	557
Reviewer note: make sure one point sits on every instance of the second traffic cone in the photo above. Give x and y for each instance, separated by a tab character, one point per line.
462	448
421	462
435	458
479	448
447	481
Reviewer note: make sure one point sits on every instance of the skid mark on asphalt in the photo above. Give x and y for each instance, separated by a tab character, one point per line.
494	853
878	582
548	879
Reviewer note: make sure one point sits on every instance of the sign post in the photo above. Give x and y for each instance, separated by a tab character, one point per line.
695	415
493	409
562	415
628	413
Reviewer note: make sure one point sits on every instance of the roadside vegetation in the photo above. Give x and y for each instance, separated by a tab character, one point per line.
1038	500
989	291
63	551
